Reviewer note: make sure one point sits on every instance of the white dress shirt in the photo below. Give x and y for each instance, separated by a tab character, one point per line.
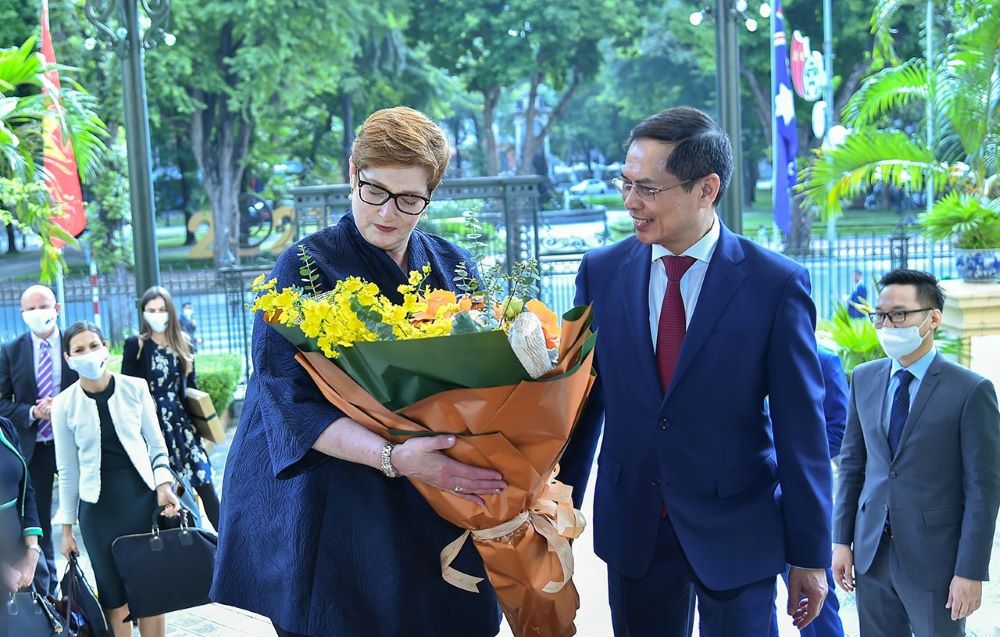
918	368
691	282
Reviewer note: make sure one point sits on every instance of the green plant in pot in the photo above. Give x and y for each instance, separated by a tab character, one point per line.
973	224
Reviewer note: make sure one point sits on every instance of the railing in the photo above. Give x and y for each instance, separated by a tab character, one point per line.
220	297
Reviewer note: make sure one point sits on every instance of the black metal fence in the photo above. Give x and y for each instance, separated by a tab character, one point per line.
514	228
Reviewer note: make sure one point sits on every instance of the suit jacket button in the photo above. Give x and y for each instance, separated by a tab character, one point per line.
655	482
892	475
664	423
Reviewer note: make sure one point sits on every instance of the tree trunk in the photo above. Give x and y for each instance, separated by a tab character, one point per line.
532	142
797	244
189	238
455	123
220	140
761	101
491	97
347	115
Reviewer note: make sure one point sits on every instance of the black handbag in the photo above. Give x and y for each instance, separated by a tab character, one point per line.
79	601
167	569
29	614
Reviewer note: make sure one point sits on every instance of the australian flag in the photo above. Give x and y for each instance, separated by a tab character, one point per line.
786	139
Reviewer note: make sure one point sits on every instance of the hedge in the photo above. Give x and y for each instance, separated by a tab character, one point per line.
217	374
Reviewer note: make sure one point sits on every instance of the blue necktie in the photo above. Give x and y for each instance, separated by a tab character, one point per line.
900	409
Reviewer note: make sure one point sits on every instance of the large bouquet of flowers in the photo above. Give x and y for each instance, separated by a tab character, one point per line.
502	377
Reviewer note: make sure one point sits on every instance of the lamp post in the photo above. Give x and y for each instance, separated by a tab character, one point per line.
727	55
129	42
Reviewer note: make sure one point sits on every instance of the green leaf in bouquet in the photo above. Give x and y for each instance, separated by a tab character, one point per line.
402	372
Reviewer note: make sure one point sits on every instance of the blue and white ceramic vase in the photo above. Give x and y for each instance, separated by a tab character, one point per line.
978	265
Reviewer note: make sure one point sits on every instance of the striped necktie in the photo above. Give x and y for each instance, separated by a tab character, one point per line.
43	382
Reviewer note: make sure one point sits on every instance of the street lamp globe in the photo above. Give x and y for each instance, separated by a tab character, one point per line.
696	18
741	6
751	25
765	11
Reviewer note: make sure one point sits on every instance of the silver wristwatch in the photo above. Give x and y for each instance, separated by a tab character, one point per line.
387	468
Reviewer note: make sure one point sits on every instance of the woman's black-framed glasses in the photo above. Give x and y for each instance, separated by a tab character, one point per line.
377	195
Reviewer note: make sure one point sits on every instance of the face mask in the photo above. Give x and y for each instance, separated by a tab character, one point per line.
900	341
157	321
90	365
40	321
188	314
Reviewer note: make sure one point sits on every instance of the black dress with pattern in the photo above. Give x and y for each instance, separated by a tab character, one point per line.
161	368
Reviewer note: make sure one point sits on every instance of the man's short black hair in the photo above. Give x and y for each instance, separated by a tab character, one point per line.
929	292
701	147
186	304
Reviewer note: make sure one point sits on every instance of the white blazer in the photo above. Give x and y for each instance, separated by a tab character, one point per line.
76	427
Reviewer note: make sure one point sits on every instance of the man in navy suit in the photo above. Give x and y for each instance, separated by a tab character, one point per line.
32	372
827	623
858	295
698	495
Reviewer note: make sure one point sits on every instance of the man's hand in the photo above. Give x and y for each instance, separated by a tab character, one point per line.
843	567
42	409
965	596
808	583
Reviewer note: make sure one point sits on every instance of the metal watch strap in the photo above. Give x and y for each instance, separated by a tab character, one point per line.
387	468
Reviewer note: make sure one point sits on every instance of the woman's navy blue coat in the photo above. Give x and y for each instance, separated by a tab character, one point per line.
326	547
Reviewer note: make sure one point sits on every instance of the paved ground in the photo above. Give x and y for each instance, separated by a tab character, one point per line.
593	619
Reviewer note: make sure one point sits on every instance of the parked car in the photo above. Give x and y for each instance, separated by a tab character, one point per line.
590	187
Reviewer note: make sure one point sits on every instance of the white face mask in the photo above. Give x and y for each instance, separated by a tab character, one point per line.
157	321
188	313
90	365
40	321
898	342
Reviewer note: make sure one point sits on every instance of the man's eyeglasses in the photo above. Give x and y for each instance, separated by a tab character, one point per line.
894	317
646	193
377	195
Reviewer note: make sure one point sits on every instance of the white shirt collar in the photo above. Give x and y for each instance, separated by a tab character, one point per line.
702	250
53	340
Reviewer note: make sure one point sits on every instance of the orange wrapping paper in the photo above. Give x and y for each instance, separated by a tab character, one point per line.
520	430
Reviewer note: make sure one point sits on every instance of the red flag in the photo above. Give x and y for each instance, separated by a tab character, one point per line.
60	162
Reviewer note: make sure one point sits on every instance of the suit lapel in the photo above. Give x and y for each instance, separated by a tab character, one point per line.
874	393
634	278
27	355
723	278
927	386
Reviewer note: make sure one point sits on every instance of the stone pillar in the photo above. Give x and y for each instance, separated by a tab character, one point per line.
972	312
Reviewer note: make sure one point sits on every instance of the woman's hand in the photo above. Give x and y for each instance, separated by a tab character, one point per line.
11	578
421	458
166	498
68	542
26	566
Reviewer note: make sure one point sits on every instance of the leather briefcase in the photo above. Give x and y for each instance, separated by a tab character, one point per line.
167	569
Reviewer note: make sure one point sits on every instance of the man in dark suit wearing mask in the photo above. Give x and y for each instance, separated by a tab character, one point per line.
32	372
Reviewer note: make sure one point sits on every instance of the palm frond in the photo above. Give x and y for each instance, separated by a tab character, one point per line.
886	91
973	221
868	157
883	16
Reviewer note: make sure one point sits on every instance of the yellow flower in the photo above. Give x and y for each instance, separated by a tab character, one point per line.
259	285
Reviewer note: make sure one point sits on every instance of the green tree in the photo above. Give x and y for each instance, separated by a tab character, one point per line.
24	109
494	45
958	87
237	63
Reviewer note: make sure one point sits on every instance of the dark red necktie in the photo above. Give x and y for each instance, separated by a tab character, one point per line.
670	331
